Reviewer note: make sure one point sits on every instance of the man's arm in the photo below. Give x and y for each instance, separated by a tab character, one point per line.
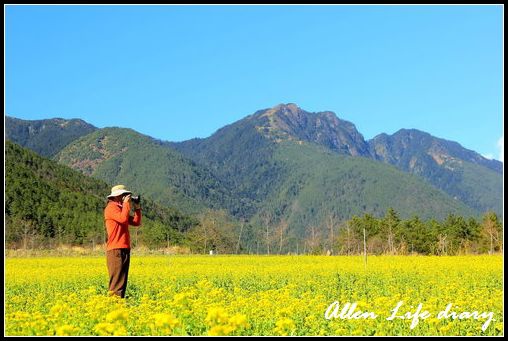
114	212
136	220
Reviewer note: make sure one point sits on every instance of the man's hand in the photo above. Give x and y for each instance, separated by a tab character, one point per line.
137	205
127	198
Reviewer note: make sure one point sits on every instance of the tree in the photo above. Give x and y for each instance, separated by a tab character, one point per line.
266	220
313	239
442	244
471	236
242	224
419	236
388	226
348	236
460	233
251	234
491	231
96	234
157	234
22	231
331	223
281	233
215	231
371	226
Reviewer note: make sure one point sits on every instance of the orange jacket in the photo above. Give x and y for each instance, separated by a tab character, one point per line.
118	220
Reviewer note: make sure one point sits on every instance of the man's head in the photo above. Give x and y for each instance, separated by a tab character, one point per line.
118	192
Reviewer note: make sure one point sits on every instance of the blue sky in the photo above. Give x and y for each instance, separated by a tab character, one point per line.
178	72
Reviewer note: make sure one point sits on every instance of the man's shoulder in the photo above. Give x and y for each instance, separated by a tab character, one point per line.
113	206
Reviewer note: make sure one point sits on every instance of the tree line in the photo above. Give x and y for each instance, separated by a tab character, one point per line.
216	231
383	235
392	235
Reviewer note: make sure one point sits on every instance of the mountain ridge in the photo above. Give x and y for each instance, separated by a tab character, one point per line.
453	146
444	164
239	158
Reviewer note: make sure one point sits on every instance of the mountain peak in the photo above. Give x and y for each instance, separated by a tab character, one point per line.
289	122
291	107
410	148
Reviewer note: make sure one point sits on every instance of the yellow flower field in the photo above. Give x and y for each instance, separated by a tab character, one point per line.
253	295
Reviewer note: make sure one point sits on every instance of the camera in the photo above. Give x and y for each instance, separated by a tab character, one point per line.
137	199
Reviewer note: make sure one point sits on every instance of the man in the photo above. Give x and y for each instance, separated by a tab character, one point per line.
117	218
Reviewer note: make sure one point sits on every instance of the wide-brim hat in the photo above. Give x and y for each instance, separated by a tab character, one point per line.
118	190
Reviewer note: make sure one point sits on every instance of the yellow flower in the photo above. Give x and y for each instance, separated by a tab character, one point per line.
228	295
166	321
340	331
239	321
180	298
120	330
216	315
220	330
105	328
66	330
446	328
285	312
433	320
284	326
117	315
310	321
57	309
357	332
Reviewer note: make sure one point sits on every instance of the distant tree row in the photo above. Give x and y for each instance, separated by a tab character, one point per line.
391	235
385	235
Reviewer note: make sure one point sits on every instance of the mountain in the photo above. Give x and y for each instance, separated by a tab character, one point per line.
462	173
45	137
242	168
241	153
46	203
289	122
302	167
148	166
398	148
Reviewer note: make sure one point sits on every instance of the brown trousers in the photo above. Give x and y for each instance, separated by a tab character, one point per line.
118	267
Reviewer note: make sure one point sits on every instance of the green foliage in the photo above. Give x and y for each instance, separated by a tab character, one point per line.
491	233
320	183
480	188
47	203
392	235
241	158
215	231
